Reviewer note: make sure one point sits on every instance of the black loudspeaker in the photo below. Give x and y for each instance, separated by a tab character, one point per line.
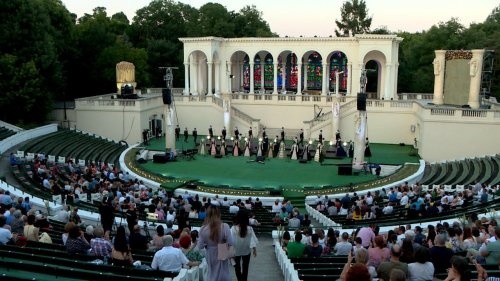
260	159
142	161
362	101
167	96
160	158
345	171
303	161
401	144
218	155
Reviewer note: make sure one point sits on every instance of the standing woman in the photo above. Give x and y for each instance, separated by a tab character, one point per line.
212	233
244	240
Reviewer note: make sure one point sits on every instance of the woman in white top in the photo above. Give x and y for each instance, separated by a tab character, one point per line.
244	241
422	269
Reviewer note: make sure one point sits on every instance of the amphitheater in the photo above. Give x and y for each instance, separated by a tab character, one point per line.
414	138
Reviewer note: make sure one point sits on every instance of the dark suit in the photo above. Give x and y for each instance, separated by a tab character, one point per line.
186	134
224	133
210	132
177	133
195	135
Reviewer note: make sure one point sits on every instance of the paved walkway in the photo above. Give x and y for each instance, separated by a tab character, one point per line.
264	267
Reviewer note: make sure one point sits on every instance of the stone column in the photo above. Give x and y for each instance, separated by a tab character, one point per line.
439	64
299	80
194	81
324	78
169	127
217	77
275	78
228	77
186	78
306	71
476	67
252	86
283	76
359	140
209	70
226	105
349	79
240	75
388	78
395	82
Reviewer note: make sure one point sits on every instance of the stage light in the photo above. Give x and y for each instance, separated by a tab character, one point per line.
208	137
232	138
260	139
218	137
310	142
246	139
331	143
345	144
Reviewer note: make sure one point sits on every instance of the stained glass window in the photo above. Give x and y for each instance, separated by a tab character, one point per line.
314	72
268	72
291	71
338	63
246	73
257	73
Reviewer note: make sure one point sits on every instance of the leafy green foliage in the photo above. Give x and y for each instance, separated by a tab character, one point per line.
354	19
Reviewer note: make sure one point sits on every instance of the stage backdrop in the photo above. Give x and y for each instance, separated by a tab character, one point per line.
456	82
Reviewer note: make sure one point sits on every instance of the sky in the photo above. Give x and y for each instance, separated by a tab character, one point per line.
299	17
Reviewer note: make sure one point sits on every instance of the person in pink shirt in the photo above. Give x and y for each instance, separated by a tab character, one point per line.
378	254
367	235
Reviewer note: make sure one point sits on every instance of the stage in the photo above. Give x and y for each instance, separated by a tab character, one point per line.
273	173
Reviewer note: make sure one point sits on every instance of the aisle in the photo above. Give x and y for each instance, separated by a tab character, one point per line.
264	266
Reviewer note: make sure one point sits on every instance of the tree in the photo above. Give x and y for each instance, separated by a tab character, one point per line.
34	36
354	19
249	23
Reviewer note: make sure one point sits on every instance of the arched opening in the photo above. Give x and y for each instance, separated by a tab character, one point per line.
198	73
338	66
240	71
155	124
373	77
313	72
291	72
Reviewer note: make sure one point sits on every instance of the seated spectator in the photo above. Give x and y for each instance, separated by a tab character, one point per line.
253	221
5	234
157	242
234	208
398	275
388	209
121	254
459	269
296	248
17	223
170	259
76	243
190	251
492	249
294	222
138	241
378	254
30	231
407	253
440	255
306	222
314	250
385	268
332	210
343	247
285	239
100	247
422	269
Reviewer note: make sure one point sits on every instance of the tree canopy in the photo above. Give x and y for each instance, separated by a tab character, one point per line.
354	19
47	53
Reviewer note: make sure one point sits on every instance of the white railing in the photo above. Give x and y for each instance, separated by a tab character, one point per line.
289	272
22	136
443	111
474	113
415	96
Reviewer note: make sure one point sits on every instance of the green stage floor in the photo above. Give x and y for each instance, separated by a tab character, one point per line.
240	172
